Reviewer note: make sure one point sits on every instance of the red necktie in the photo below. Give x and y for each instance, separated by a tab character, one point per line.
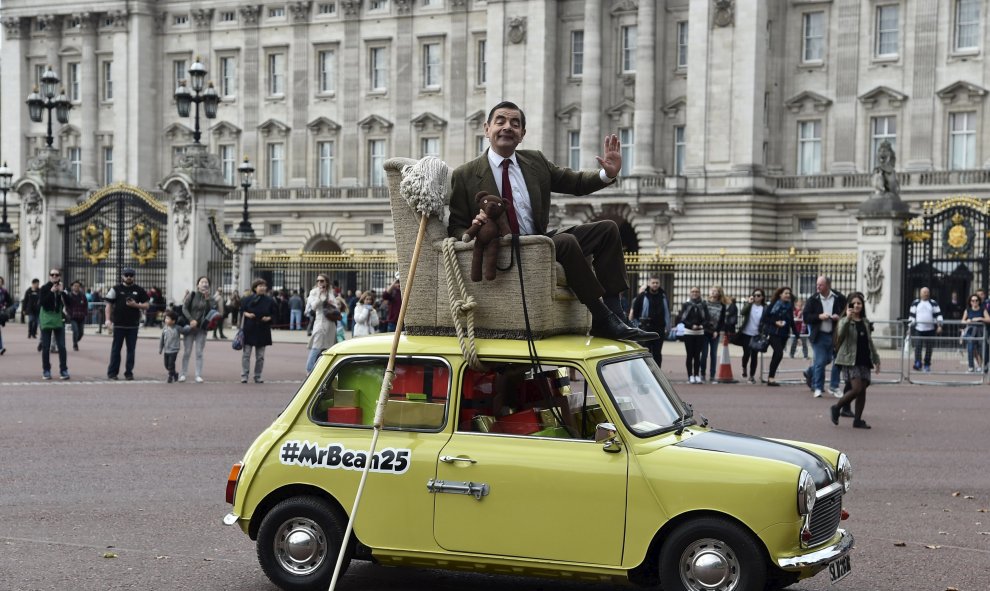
510	208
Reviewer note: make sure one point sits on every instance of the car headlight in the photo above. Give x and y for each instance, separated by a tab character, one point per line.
806	493
845	471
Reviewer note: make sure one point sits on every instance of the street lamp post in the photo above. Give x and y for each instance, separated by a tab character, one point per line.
47	100
209	97
6	175
247	175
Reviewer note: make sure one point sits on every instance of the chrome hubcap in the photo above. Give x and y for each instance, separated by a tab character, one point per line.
300	546
709	565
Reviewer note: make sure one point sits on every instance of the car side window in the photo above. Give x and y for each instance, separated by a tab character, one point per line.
418	401
508	399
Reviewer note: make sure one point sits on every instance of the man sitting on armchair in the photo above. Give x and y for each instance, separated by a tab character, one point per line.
525	179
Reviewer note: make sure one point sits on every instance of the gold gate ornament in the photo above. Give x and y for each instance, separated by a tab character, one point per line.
144	242
958	238
96	241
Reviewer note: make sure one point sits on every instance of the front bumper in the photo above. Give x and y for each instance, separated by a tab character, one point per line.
819	557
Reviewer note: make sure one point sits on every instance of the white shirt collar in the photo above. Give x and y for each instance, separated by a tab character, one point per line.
496	161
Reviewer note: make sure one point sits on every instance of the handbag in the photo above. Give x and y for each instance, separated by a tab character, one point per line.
238	343
760	343
51	319
330	312
738	339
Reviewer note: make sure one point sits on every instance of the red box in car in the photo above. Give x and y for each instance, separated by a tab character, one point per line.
413	378
347	415
524	422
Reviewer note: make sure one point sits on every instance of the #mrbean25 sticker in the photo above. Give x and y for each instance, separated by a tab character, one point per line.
335	456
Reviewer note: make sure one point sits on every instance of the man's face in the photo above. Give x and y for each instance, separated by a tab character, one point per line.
925	293
654	284
505	131
76	288
128	279
822	286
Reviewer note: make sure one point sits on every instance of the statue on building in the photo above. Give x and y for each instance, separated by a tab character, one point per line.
886	196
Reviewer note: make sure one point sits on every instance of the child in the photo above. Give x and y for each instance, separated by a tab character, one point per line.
800	334
170	343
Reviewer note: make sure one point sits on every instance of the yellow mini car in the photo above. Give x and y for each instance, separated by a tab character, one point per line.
586	467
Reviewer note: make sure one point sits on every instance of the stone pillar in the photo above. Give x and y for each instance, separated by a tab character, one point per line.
922	112
7	239
196	191
845	107
881	264
247	245
89	95
646	20
350	109
591	84
15	68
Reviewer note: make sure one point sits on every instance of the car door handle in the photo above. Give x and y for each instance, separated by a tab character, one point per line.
452	459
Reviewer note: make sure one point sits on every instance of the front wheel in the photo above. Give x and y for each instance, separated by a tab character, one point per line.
711	554
298	543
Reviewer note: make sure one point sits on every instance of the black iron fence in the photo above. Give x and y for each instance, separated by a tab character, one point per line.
357	271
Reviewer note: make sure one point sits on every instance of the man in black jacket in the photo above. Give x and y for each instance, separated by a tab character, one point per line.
53	301
32	307
124	304
821	315
652	309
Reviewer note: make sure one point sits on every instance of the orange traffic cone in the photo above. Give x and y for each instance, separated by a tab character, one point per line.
724	375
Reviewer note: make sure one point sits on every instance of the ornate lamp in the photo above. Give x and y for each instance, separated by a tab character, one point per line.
6	176
247	176
199	93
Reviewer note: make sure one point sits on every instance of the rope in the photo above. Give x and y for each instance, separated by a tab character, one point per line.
462	305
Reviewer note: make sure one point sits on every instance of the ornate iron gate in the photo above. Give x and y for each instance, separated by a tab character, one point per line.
220	267
118	226
946	250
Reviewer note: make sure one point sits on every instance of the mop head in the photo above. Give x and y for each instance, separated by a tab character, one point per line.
424	186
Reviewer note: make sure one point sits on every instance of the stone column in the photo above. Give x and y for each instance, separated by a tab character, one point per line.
844	132
46	191
881	264
143	99
299	153
17	76
922	109
646	20
591	85
247	245
350	100
89	95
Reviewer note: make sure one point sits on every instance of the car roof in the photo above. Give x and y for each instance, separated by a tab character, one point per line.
560	346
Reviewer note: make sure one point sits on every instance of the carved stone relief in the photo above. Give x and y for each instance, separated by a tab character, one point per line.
873	273
517	29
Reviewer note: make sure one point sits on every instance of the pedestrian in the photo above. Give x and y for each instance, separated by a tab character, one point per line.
821	312
800	330
694	316
53	304
925	320
713	329
296	307
124	304
219	305
233	307
344	310
170	342
352	300
365	315
856	355
258	310
322	302
196	307
78	308
394	299
778	325
651	309
6	302
31	305
974	318
752	324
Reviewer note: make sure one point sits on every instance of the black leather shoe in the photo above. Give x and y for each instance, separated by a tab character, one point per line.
835	414
612	303
612	327
861	424
845	412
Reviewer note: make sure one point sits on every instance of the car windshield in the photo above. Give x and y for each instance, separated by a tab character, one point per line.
643	395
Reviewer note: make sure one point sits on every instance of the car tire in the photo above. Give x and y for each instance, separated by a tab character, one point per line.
298	543
711	554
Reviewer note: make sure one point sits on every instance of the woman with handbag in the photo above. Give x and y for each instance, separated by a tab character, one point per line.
325	317
51	316
856	355
694	316
752	321
195	307
257	312
365	316
779	324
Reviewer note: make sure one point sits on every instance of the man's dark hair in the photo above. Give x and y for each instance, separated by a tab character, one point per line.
508	105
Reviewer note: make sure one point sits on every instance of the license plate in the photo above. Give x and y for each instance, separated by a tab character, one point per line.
838	569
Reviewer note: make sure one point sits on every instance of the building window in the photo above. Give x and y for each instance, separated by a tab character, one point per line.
375	229
628	36
75	22
75	163
480	144
627	147
574	150
682	44
967	35
276	74
962	140
680	148
882	129
276	165
108	81
177	153
107	165
180	72
377	5
813	37
228	76
376	163
72	78
429	146
887	33
378	68
810	147
276	12
274	229
228	163
180	19
327	64
807	224
326	8
577	53
432	66
324	164
228	16
482	62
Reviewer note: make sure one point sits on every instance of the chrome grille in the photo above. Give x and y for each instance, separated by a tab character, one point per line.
825	517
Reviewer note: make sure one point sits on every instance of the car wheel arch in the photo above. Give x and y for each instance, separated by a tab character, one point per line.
278	495
647	572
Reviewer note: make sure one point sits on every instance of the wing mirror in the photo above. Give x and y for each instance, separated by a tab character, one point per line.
606	434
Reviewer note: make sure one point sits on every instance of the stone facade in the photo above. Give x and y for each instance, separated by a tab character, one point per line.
759	118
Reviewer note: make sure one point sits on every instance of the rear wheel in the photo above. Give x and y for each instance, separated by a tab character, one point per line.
711	554
298	543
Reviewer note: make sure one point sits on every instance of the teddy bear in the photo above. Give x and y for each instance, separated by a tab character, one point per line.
486	236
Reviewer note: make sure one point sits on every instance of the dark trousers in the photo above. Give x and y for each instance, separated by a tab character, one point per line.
777	344
607	273
656	347
709	354
32	326
122	335
170	364
77	331
749	357
927	341
46	343
693	344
